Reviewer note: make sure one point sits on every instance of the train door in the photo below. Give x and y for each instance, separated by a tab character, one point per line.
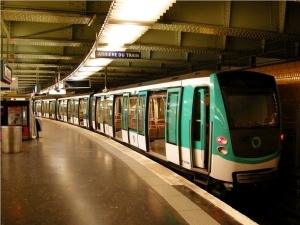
52	109
132	120
124	116
42	109
108	115
69	110
199	128
75	112
93	112
38	108
118	117
80	108
46	105
99	114
172	125
102	100
65	108
59	110
86	116
156	123
142	120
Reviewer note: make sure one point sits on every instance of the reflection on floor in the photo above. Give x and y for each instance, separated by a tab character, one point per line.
118	134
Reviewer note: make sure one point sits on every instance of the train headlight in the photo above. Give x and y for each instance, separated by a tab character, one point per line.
222	150
228	186
221	140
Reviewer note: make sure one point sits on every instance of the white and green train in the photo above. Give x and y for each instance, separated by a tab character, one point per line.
222	128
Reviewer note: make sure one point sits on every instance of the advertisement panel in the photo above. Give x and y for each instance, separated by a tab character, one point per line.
15	115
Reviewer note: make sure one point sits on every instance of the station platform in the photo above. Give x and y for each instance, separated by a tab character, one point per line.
73	176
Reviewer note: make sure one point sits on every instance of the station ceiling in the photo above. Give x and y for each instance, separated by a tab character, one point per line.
46	40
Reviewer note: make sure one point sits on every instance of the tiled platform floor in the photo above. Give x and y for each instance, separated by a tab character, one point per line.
72	176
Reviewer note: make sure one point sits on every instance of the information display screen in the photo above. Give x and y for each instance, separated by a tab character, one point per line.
6	73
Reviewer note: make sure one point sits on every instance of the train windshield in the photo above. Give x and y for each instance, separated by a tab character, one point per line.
252	109
250	99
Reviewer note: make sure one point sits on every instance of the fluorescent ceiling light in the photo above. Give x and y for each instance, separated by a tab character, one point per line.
78	78
83	73
90	68
123	33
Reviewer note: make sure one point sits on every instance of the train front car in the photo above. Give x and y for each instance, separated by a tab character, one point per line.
246	128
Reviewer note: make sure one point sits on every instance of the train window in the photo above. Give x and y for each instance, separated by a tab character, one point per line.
132	113
98	118
172	117
197	117
85	107
252	109
46	107
93	108
118	118
141	111
65	107
42	108
50	108
125	112
75	112
72	110
69	111
81	111
118	106
108	106
102	110
60	111
61	107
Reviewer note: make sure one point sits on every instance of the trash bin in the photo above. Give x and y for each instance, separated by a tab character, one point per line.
11	139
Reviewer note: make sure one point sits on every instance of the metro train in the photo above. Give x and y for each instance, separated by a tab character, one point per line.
223	129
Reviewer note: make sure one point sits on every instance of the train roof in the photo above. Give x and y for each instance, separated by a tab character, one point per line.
161	84
75	96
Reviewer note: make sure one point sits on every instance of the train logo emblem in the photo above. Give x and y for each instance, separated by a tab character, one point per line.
256	142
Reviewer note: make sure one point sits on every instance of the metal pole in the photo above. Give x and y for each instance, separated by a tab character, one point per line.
105	89
105	75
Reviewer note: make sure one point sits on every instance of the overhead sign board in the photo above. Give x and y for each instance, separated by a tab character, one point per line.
76	84
117	55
